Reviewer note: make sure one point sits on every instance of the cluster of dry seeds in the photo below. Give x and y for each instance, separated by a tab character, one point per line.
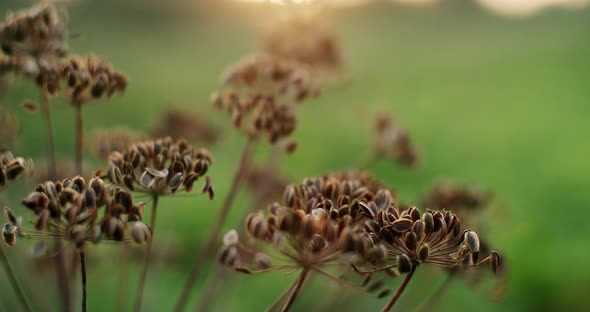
177	123
160	167
393	142
39	32
444	195
305	40
70	211
260	95
86	78
12	167
319	223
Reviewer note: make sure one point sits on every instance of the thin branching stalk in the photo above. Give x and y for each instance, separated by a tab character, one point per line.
14	282
62	277
79	137
123	276
83	271
295	291
146	260
400	290
437	295
216	229
46	113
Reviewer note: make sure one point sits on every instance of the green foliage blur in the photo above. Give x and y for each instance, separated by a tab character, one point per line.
491	101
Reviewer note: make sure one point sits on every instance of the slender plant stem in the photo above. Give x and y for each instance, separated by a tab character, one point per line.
14	282
83	271
79	138
146	260
216	229
123	276
62	277
295	291
400	290
438	293
46	113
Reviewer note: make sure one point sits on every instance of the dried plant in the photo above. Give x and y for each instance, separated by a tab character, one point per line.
393	142
106	141
11	168
260	96
307	40
182	123
70	211
318	225
159	167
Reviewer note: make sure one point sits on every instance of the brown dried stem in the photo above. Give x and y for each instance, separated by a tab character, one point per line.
83	271
14	282
146	261
295	291
79	137
51	164
216	229
400	290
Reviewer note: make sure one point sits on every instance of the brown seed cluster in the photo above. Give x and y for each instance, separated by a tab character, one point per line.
319	224
393	142
435	237
12	167
39	32
70	210
106	141
85	78
306	40
260	95
177	123
160	167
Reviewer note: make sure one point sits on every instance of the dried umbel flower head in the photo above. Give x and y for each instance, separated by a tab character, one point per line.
70	210
435	237
260	95
87	78
12	167
307	40
160	167
39	32
106	141
393	142
319	224
181	123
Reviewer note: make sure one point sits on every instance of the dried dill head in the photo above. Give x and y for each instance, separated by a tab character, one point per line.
80	212
260	94
160	167
317	228
393	142
85	79
39	32
106	141
177	123
455	197
11	168
307	40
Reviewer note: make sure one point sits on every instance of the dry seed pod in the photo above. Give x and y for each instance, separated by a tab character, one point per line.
231	238
472	241
9	234
404	265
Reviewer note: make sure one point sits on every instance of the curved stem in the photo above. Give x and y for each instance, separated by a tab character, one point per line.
400	290
295	291
79	138
14	282
216	229
146	259
46	113
83	271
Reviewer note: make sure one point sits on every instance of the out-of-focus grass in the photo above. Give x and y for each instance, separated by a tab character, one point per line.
492	101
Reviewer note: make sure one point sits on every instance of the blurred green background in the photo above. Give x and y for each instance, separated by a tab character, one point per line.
492	101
